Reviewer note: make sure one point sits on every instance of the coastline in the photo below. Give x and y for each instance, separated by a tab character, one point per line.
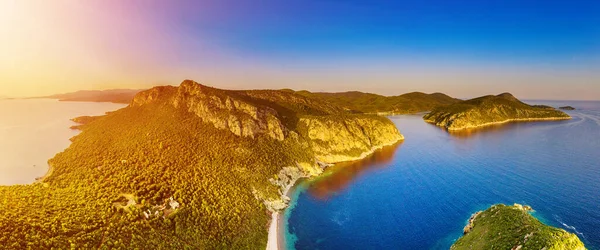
276	238
48	173
502	122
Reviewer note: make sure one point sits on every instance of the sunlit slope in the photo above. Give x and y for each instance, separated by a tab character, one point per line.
489	110
512	227
184	167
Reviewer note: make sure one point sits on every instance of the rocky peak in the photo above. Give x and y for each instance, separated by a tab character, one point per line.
156	94
508	96
224	109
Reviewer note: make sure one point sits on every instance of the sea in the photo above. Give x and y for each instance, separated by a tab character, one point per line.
419	194
34	130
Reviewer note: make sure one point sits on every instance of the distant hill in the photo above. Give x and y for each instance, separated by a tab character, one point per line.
188	167
512	227
489	110
360	102
114	96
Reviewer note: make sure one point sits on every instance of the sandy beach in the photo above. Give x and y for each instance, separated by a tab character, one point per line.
276	239
273	241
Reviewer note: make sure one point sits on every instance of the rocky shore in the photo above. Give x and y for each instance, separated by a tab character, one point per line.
286	180
513	227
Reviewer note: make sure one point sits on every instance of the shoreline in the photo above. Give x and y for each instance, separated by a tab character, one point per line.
43	177
276	237
502	122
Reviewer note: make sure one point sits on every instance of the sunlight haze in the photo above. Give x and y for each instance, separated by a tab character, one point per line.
51	47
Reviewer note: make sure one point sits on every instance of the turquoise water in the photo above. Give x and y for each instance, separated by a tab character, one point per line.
419	194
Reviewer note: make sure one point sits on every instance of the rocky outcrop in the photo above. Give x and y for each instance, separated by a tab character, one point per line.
223	109
512	227
284	180
471	223
490	110
228	112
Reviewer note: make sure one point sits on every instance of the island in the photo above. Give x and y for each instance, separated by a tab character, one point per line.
113	95
512	227
567	108
490	110
187	167
359	102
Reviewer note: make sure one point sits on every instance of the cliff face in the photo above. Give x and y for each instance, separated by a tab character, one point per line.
334	135
326	132
489	110
223	109
347	138
512	227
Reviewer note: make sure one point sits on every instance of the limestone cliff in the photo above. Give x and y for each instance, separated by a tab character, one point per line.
223	109
489	110
512	227
326	132
347	138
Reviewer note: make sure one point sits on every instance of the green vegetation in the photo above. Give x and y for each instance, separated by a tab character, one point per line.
409	103
114	96
489	110
219	154
512	227
567	108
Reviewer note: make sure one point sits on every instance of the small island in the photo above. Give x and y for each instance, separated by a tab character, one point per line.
490	110
567	108
512	227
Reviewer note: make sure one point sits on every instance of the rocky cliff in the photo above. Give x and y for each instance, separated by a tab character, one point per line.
349	137
512	227
489	110
328	133
223	109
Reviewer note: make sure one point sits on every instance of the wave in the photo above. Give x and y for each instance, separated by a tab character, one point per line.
572	228
591	117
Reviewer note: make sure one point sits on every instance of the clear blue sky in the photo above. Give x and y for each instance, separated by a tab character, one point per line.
534	49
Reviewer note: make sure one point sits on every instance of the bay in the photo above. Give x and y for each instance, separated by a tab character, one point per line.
419	194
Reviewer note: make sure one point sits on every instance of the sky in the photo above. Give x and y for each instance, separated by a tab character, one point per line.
464	48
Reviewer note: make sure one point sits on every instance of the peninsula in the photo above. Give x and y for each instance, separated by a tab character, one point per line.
113	95
512	227
490	110
185	167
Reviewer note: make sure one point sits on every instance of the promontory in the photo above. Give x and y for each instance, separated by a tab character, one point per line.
490	110
187	167
512	227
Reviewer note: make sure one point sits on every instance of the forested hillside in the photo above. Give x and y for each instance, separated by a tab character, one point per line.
512	227
408	103
489	110
188	167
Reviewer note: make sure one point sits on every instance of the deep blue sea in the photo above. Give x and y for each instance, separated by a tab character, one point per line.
419	194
